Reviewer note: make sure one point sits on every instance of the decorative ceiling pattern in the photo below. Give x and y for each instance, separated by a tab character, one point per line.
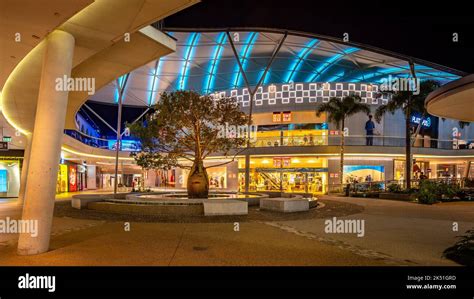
205	62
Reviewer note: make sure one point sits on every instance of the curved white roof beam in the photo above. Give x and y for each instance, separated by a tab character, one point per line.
101	52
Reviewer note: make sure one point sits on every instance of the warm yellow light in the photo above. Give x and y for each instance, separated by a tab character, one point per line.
295	161
265	161
92	155
312	161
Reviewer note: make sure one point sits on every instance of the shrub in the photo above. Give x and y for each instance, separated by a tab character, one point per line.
431	192
377	187
428	192
463	251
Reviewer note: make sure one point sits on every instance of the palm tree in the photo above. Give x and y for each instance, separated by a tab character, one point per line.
408	103
338	110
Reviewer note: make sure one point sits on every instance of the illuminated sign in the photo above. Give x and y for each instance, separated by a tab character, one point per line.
126	145
287	116
276	117
72	178
7	138
281	116
426	122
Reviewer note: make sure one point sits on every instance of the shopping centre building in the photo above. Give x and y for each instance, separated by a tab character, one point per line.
293	149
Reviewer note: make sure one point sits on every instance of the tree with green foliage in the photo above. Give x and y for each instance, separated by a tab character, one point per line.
184	129
409	103
338	110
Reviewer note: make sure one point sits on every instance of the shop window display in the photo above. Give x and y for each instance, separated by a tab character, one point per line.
286	174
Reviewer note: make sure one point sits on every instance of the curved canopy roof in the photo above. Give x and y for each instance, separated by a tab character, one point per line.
205	62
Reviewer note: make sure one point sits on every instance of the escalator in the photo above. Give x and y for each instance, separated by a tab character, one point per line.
273	179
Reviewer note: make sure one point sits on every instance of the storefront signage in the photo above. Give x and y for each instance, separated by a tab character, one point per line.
284	116
281	161
127	145
7	138
276	117
426	123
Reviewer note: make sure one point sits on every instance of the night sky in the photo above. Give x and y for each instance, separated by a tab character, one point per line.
421	29
414	28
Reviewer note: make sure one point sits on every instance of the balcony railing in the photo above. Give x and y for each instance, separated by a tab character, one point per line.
314	140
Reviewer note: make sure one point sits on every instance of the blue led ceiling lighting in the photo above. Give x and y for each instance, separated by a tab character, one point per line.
372	76
153	80
328	63
189	50
300	57
209	80
244	54
267	76
336	77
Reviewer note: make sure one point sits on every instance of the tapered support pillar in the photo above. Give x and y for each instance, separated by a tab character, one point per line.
46	143
24	170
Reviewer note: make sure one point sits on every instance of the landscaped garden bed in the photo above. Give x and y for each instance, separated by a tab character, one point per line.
427	192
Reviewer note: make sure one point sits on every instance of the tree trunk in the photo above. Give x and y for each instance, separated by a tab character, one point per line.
341	171
198	181
408	146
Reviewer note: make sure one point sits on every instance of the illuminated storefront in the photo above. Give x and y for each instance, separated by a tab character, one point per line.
287	174
364	173
72	177
9	178
290	128
62	181
217	177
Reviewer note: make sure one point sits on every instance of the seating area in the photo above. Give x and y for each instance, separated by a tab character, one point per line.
225	207
285	205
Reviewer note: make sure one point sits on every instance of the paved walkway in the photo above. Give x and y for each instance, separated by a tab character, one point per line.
414	233
396	233
177	244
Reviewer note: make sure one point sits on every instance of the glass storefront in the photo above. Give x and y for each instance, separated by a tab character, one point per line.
9	178
286	174
217	177
417	168
165	178
364	173
292	135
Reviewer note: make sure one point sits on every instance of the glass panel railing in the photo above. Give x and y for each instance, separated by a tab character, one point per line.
297	140
104	143
357	140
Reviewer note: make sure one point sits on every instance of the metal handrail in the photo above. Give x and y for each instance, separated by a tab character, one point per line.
359	140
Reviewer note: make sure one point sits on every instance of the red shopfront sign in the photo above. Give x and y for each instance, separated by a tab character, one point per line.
72	178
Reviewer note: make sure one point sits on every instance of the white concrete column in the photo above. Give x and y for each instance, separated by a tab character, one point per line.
46	143
24	170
